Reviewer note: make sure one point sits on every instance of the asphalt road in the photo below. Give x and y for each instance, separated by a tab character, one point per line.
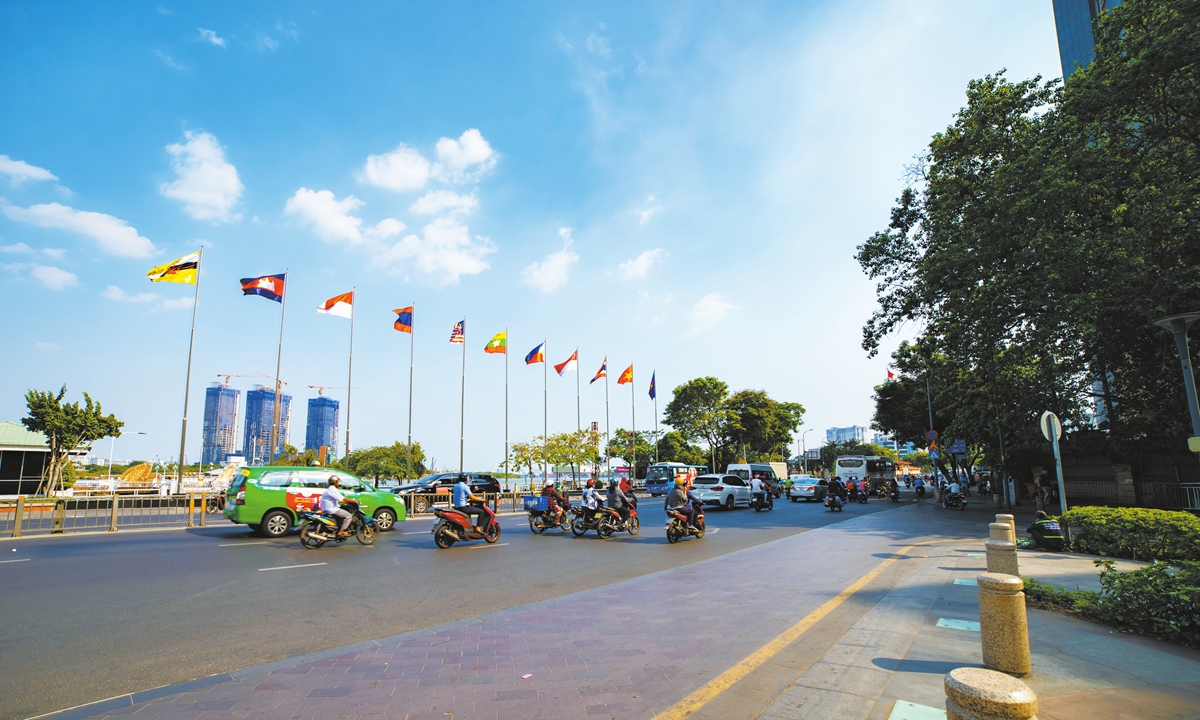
87	617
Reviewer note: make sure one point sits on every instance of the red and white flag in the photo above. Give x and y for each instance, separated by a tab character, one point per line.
571	363
340	305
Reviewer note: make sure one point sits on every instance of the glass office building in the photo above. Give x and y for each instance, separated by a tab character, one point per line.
220	423
1075	21
260	415
322	424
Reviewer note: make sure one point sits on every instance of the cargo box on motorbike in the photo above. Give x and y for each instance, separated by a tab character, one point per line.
537	502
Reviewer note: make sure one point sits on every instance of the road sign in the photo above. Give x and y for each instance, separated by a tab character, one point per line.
935	454
931	435
1194	444
958	447
1051	427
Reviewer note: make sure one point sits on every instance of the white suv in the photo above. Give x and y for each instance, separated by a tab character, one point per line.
727	491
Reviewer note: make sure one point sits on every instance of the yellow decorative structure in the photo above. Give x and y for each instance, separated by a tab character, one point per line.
137	475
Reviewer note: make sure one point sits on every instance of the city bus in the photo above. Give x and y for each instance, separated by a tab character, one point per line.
875	469
660	476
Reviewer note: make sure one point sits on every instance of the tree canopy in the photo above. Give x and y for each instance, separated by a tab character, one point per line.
67	426
385	461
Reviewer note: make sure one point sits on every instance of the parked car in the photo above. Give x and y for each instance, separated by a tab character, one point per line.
270	498
727	491
807	488
440	484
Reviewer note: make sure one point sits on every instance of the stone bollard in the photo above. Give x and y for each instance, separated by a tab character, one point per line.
1002	557
1001	531
978	694
1012	522
1003	629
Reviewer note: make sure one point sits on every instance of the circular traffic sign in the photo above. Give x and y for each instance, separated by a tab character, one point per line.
931	435
1051	427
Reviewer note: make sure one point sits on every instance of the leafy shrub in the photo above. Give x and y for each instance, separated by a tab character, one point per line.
1136	533
1160	600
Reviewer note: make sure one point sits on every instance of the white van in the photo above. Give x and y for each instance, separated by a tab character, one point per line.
773	472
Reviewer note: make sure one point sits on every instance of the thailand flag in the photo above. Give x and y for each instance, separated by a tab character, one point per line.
602	372
268	286
536	355
340	305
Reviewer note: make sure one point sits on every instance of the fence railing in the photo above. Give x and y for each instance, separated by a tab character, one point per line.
1098	489
1172	496
417	504
50	515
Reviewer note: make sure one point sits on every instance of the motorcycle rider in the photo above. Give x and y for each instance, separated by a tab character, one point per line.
619	501
331	503
893	488
591	501
462	498
758	488
920	483
678	500
557	500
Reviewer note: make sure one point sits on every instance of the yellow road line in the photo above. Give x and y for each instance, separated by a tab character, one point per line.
730	677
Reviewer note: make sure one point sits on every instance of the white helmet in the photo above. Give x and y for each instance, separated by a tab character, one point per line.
549	482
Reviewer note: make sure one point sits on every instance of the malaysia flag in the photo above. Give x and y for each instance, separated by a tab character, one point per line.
340	305
268	286
570	363
458	335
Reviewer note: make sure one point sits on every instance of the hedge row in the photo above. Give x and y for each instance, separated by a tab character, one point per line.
1159	600
1136	533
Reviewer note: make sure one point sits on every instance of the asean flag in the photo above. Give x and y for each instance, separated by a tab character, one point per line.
268	286
626	377
340	305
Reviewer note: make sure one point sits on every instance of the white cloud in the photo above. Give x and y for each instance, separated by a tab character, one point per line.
55	253
598	44
206	183
19	172
18	248
652	208
553	272
265	41
212	37
332	221
401	169
115	236
464	159
170	61
54	278
708	312
447	249
47	346
112	292
437	201
640	265
177	303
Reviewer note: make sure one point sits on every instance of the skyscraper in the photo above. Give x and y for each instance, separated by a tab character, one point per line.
260	414
322	424
1075	21
220	423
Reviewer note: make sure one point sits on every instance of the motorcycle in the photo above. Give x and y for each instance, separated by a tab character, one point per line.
580	523
319	528
920	491
763	501
677	526
608	521
834	502
894	495
863	496
954	500
454	526
540	517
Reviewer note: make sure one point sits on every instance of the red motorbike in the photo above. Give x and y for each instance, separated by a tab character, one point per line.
454	526
677	525
608	521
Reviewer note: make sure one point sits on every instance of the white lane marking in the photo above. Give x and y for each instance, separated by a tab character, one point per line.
289	567
956	624
481	547
9	561
712	530
239	544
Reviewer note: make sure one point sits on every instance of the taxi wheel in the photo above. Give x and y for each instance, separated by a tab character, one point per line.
276	524
385	519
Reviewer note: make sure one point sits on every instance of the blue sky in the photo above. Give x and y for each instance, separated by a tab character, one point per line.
676	185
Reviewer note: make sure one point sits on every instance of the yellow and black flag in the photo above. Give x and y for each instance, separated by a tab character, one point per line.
182	270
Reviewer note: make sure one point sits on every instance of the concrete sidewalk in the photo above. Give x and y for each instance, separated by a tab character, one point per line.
635	649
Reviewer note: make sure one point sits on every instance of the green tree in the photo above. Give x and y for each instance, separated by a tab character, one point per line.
673	447
384	461
761	426
635	448
67	427
698	411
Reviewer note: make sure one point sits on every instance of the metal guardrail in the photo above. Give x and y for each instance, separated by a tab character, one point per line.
52	515
1172	496
417	504
1099	489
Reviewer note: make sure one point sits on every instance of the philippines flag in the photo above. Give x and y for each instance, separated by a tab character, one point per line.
268	286
602	372
536	355
459	334
571	363
404	319
340	305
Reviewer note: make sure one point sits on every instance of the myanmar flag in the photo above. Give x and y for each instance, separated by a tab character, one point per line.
182	270
626	377
498	344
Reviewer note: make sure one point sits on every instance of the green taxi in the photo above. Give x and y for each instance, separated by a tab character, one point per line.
270	499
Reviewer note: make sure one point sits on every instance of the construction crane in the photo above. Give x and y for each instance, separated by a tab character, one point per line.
257	374
322	388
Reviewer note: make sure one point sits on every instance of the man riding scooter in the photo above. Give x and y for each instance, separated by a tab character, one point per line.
591	501
619	501
558	501
758	488
331	504
678	500
462	499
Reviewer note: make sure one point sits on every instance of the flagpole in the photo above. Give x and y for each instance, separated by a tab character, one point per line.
350	371
607	425
653	375
506	407
462	399
545	412
278	365
578	412
633	433
187	383
412	343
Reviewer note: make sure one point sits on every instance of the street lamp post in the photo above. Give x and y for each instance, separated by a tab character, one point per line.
805	449
1178	326
112	443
